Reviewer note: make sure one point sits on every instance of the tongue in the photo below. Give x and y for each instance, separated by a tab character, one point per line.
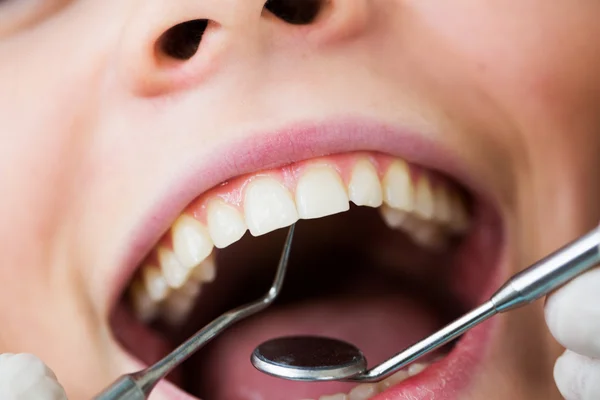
379	325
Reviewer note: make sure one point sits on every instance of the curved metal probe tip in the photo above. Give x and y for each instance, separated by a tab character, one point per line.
138	385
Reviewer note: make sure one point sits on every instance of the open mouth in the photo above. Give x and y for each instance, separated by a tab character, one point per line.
385	253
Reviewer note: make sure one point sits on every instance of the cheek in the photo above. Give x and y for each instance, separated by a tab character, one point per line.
528	50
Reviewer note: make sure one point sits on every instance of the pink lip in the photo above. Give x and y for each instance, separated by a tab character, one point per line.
303	141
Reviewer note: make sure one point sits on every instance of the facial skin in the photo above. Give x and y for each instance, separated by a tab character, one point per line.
95	125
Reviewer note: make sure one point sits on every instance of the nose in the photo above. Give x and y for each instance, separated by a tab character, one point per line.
171	45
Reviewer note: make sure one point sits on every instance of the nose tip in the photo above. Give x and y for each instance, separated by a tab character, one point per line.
171	47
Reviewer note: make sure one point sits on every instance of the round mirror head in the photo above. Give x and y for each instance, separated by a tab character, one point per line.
309	358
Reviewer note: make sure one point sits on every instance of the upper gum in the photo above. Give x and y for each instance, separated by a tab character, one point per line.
232	191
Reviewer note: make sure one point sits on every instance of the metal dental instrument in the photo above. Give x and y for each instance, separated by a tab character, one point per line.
310	358
138	385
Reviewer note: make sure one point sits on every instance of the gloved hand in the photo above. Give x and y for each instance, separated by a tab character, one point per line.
26	377
573	316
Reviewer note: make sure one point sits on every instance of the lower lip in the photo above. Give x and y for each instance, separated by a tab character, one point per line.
442	380
447	378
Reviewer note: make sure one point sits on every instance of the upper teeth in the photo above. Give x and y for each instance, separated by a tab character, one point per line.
426	209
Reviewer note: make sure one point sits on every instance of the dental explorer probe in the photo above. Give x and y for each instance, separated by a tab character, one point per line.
138	385
315	358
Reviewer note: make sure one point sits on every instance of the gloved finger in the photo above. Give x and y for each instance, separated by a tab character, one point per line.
577	377
26	377
573	314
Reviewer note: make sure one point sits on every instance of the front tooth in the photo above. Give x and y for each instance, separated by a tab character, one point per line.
268	206
320	192
365	188
225	223
397	187
424	201
144	308
393	380
415	369
364	391
191	241
206	271
174	272
338	396
155	283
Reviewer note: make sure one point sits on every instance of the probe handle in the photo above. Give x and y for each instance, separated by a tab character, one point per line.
124	388
550	273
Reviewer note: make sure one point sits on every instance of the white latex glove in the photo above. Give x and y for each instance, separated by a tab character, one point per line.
573	316
26	377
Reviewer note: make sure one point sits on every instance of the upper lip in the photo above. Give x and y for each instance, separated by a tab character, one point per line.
260	151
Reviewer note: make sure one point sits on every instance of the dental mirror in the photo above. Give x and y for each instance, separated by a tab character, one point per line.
309	358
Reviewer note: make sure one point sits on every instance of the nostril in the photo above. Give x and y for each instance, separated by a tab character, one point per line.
181	41
297	12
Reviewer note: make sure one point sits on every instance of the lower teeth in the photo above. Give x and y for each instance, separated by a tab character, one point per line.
366	391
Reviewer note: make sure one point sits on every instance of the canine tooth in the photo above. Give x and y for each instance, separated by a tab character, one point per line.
365	188
320	192
424	200
225	223
393	380
206	271
338	396
174	272
393	218
268	206
363	391
191	241
144	308
397	187
155	283
415	369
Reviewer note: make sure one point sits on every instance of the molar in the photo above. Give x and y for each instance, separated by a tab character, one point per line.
268	206
443	214
364	188
176	308
320	192
154	282
429	235
398	188
460	218
174	272
393	218
144	308
225	223
191	241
